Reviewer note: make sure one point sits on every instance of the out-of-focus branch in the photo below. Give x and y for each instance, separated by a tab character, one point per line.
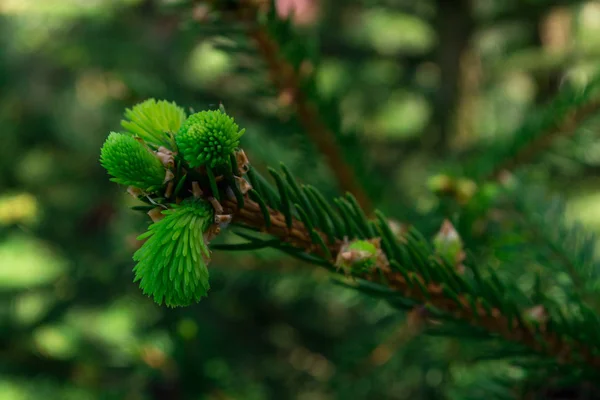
455	26
287	80
567	127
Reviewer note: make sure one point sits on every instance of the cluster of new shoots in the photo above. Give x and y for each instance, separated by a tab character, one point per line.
177	165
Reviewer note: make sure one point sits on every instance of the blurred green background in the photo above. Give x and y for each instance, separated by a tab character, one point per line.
423	82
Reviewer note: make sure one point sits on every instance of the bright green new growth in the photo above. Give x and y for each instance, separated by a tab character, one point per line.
208	138
358	256
172	263
367	251
131	163
152	120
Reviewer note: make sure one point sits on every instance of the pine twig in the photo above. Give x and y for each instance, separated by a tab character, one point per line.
544	341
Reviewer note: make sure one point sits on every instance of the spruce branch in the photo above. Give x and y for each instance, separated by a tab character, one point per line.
421	278
560	118
290	82
203	197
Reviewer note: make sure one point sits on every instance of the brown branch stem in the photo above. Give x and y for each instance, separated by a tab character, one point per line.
298	236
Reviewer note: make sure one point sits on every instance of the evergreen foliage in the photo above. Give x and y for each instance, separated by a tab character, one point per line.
437	156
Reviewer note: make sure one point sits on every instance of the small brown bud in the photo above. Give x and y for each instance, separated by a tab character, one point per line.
166	156
223	218
216	205
170	188
134	192
243	162
196	191
169	176
156	214
244	185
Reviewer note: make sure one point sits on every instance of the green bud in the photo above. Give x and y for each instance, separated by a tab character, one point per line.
172	263
131	163
448	244
440	183
151	120
358	256
208	138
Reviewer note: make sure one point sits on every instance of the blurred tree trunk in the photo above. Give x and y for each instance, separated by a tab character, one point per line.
455	26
